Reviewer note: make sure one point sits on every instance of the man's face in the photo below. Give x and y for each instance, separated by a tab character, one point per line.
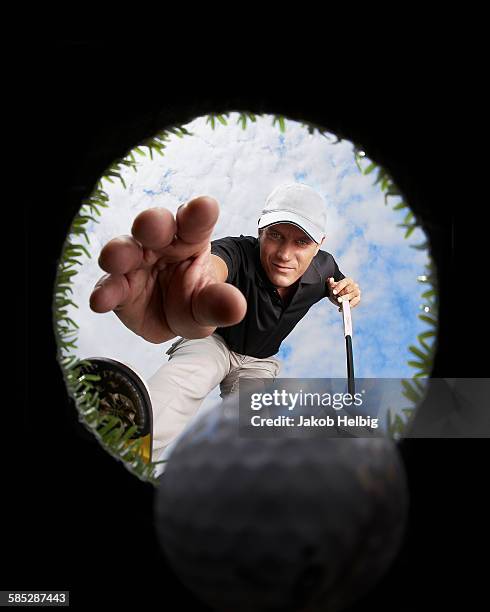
285	253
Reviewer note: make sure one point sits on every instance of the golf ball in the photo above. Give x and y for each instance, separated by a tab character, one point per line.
279	523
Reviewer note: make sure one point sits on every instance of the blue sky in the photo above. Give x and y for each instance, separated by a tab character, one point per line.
239	168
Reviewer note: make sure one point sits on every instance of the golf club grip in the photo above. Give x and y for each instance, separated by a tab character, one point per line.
347	318
346	315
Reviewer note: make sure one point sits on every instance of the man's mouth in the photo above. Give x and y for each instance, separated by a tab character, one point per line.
281	268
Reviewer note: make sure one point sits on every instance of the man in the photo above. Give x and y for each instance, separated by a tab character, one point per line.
232	301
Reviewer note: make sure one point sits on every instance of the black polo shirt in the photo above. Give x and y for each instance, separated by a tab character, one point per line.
268	320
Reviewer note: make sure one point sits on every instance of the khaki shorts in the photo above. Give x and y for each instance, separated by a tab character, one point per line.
193	370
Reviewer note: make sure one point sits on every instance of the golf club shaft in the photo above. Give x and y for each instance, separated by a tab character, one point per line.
347	319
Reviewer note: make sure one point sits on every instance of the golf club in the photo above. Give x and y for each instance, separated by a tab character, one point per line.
346	316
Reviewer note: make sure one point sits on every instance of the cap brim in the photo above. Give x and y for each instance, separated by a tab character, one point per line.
279	216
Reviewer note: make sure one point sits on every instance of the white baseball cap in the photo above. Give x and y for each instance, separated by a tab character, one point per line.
297	204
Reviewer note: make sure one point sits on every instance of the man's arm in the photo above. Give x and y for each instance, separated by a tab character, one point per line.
220	268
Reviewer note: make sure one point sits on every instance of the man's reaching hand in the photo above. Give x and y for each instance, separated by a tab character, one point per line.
162	281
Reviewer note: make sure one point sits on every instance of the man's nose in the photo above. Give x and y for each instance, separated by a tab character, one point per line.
284	253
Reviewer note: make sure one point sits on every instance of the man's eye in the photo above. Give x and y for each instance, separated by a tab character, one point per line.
303	242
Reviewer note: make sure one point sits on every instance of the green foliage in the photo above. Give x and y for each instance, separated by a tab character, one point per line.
397	426
219	116
281	121
312	129
425	351
242	118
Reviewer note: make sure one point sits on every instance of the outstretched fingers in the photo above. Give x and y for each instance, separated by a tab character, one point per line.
154	228
195	222
172	240
219	305
121	255
213	304
110	292
196	219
